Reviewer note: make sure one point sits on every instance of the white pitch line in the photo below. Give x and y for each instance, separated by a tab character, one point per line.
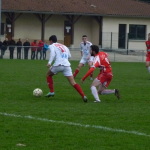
77	124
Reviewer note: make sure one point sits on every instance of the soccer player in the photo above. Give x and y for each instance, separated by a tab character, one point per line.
86	56
102	81
148	54
58	62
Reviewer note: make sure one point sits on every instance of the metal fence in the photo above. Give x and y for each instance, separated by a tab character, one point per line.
114	55
112	40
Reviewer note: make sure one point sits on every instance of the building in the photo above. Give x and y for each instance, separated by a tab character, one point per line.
114	24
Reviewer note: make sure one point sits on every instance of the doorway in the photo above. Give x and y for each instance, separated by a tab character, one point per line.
122	36
67	33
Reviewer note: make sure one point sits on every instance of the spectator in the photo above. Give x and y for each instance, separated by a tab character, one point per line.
1	48
45	48
26	45
12	45
33	49
4	46
19	46
40	49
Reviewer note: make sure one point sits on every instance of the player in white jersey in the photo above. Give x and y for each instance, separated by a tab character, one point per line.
86	56
58	62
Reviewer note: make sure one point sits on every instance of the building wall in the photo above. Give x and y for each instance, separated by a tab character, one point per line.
29	26
82	27
111	25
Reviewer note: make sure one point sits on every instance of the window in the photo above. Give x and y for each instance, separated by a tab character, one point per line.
137	32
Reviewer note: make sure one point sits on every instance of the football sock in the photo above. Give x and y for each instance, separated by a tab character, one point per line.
76	72
148	68
106	92
95	93
50	83
79	90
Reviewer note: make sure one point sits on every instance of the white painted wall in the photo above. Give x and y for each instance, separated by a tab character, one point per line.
82	27
111	24
29	26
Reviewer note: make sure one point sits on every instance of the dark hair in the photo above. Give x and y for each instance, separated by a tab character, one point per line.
53	38
84	36
95	48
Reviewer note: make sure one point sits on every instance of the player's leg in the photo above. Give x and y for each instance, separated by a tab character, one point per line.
68	74
105	81
105	91
81	64
148	65
94	91
49	78
78	69
77	87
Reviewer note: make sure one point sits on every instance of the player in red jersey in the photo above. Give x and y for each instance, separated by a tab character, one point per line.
148	54
102	81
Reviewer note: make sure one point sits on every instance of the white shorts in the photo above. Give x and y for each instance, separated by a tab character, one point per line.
85	60
66	70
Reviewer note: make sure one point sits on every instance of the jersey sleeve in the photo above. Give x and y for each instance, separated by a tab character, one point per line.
68	51
81	48
88	73
52	54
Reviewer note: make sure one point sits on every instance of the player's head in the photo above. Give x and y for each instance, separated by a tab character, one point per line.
84	38
53	39
94	50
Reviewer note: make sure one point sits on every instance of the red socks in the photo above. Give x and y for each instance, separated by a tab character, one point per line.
75	73
79	90
50	83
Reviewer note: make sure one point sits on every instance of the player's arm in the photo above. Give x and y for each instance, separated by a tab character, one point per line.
88	73
81	50
52	56
69	54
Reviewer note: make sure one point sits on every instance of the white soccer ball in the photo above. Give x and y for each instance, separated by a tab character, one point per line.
37	92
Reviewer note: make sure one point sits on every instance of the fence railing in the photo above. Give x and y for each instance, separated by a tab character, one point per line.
115	55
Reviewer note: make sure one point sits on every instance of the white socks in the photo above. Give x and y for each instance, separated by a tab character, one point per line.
95	93
106	92
148	68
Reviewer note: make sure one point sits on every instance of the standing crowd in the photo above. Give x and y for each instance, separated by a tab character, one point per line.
38	49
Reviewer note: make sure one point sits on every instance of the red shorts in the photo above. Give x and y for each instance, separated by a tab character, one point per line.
105	78
147	58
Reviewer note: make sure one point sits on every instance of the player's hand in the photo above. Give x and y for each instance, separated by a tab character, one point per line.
48	65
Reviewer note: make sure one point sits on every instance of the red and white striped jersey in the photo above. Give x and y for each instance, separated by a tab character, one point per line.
101	61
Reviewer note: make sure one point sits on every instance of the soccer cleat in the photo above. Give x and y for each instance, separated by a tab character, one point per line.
50	94
117	94
84	98
97	101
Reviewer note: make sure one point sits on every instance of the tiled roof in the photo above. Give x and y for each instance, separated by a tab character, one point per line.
78	7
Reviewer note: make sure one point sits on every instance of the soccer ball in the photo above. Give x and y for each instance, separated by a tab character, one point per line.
37	92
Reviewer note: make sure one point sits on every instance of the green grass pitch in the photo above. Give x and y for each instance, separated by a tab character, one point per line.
65	122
